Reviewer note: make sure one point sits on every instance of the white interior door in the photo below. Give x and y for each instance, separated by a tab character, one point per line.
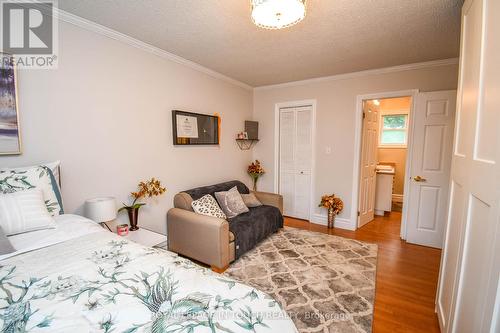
296	160
368	176
468	298
432	144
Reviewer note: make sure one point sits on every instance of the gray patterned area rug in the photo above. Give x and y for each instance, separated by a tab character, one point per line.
326	283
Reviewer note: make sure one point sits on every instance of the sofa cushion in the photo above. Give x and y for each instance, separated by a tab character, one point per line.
231	202
207	205
197	193
253	227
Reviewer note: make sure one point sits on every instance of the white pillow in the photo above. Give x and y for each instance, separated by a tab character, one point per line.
24	211
207	205
41	176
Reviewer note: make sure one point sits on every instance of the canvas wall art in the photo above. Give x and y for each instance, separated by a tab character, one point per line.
10	136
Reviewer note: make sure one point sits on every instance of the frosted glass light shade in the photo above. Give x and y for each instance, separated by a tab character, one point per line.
278	14
101	209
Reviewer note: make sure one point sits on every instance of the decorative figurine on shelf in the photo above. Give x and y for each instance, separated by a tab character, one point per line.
150	188
255	170
334	206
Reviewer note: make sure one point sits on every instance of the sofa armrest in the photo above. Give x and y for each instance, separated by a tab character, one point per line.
270	199
199	237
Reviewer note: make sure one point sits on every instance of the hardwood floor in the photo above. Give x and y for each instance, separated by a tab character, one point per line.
407	275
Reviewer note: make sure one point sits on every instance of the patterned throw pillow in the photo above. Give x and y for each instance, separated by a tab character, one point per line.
207	205
13	180
231	202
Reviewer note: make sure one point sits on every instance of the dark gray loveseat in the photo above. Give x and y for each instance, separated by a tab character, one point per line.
217	242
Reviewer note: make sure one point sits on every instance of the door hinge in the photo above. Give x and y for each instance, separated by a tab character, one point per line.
364	114
358	213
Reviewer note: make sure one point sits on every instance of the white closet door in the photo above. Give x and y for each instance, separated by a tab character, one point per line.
303	162
287	160
296	160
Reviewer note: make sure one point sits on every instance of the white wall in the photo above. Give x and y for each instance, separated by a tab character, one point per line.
335	123
106	114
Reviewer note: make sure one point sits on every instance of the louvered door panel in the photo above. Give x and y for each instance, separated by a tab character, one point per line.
296	160
287	160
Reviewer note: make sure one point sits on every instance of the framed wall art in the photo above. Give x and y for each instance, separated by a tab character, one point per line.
194	128
10	134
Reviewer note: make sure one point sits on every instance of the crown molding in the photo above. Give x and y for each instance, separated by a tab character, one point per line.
113	34
386	70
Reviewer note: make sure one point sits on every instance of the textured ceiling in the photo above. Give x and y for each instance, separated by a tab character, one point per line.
337	36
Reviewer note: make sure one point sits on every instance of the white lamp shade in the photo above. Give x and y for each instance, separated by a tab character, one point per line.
101	209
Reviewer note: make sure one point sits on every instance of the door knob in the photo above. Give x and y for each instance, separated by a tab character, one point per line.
419	179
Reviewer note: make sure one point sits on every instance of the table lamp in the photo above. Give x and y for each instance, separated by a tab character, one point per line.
101	210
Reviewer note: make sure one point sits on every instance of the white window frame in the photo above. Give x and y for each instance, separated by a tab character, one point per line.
381	129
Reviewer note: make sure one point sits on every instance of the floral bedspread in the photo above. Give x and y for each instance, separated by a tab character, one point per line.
102	283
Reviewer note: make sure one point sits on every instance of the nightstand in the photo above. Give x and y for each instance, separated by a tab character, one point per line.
147	238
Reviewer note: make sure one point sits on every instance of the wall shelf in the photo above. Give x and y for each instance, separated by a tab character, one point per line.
246	144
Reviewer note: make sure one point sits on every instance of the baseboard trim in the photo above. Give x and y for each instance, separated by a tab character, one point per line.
397	197
441	319
340	223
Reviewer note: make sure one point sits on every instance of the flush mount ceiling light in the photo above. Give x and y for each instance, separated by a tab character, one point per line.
278	14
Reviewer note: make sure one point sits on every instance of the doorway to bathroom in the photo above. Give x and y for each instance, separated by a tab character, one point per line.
384	143
405	142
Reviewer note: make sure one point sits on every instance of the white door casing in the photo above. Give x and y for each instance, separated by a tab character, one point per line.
468	297
296	160
356	176
368	179
434	119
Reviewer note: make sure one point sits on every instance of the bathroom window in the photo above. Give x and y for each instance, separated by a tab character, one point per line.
394	130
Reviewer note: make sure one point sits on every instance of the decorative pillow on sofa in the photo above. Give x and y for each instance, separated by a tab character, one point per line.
231	202
18	179
24	211
206	205
251	200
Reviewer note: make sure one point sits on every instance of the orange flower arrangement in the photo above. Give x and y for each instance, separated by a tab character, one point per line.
255	170
332	202
149	189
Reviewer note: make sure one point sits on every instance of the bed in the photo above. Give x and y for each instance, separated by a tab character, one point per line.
78	277
81	278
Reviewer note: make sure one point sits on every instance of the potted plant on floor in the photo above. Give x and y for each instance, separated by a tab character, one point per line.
334	206
255	170
147	189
